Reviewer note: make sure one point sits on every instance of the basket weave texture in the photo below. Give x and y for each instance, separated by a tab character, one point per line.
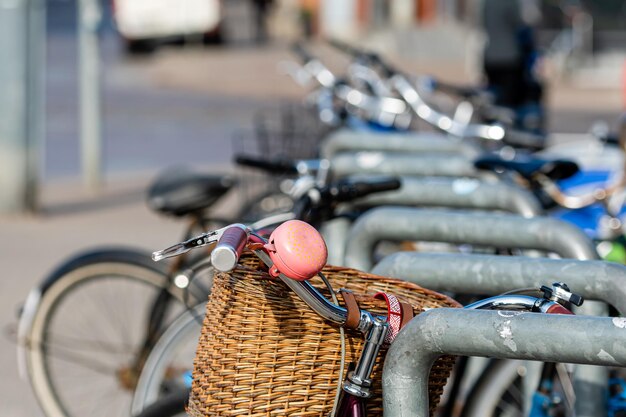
263	352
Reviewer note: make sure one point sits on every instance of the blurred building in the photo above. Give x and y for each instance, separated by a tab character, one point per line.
580	36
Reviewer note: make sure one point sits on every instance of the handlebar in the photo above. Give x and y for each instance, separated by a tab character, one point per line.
271	166
301	52
234	238
357	53
348	190
345	47
519	302
363	54
466	92
229	248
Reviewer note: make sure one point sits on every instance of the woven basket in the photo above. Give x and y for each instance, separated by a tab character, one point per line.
263	352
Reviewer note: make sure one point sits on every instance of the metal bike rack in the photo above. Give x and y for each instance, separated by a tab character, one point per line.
486	229
498	334
423	165
492	275
352	141
492	230
468	193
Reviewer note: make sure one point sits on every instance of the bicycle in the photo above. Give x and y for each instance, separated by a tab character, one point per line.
231	241
315	206
56	343
598	209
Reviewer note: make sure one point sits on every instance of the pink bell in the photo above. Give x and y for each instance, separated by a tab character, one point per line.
297	250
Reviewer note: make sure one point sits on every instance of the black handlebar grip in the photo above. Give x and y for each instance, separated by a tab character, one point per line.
387	69
226	253
363	188
466	92
343	47
299	50
355	52
348	190
277	166
611	140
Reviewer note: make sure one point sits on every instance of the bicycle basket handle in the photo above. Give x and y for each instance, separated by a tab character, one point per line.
297	250
226	254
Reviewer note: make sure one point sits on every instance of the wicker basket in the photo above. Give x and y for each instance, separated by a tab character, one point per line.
263	352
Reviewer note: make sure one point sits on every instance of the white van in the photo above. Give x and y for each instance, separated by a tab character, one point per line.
145	23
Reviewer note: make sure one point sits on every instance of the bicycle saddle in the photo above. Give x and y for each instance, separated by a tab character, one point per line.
180	191
557	169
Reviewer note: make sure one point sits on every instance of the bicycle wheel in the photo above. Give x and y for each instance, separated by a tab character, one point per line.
167	366
172	405
84	328
499	392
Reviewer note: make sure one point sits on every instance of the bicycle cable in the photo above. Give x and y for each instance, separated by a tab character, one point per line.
342	335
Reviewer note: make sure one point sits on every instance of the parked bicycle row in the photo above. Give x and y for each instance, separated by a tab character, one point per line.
337	288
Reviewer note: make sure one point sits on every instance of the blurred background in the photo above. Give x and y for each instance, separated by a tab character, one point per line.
98	97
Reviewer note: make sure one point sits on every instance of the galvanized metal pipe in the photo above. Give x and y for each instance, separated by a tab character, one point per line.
431	142
497	334
486	229
493	230
427	164
470	193
90	97
492	275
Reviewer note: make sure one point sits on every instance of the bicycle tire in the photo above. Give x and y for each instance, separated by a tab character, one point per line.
172	345
498	391
118	275
172	405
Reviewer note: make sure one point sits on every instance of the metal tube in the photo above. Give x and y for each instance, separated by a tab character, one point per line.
506	302
431	142
22	115
497	334
427	164
486	229
311	296
497	230
90	101
334	232
458	193
492	275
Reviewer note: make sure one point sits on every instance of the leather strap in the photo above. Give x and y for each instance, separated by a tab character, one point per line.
354	313
398	314
407	313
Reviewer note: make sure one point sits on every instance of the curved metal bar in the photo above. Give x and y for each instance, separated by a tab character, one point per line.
492	275
310	295
505	302
497	334
486	229
427	164
467	193
351	141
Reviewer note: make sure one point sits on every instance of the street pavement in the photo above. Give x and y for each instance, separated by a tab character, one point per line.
179	106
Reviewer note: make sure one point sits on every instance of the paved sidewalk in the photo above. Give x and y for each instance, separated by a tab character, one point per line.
31	246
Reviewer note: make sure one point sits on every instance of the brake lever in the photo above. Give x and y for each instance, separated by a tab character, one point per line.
184	247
